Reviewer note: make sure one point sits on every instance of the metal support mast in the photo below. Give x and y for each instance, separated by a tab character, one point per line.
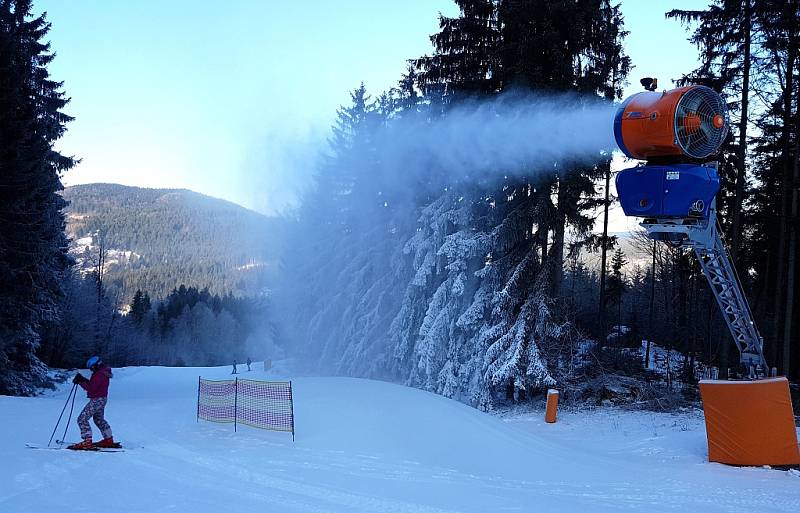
702	235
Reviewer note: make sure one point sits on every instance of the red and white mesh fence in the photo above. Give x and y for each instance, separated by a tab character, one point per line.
260	404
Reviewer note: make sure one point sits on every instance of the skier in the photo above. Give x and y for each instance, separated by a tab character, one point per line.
249	361
234	367
97	391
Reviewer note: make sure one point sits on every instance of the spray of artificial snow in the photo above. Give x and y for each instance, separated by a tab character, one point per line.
509	135
389	264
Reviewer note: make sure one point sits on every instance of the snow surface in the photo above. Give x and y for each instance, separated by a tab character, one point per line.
369	446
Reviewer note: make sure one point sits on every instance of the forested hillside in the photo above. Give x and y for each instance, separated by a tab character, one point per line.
158	239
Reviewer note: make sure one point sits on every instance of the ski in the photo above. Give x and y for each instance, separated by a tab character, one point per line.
60	448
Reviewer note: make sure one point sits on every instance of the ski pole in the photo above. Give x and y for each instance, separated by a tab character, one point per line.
66	426
71	392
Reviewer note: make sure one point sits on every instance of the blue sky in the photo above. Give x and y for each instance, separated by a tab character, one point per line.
234	99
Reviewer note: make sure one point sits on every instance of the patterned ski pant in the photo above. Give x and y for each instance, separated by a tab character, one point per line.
95	409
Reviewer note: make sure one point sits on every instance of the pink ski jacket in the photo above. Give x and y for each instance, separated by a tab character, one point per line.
97	386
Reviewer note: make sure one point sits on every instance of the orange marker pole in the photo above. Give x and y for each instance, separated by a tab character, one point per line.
552	406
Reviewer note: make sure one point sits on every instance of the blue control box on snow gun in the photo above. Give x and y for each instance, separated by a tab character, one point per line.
667	191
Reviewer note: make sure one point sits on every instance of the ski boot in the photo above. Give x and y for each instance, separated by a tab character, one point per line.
86	445
108	443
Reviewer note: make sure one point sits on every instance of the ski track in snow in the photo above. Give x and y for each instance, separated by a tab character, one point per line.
367	446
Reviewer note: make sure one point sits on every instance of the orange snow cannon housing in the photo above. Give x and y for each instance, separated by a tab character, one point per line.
750	422
646	124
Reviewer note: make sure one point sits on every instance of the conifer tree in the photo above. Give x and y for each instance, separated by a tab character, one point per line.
465	61
140	306
338	276
616	283
558	46
724	36
33	247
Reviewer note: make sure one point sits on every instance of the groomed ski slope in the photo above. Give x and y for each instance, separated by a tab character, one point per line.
368	446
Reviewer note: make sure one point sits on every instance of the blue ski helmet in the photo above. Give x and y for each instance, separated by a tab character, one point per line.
91	362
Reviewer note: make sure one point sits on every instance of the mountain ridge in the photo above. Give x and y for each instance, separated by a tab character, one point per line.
158	239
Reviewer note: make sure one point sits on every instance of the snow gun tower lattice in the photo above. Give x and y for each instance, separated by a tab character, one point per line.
678	133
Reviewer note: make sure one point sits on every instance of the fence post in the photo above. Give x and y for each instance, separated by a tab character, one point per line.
291	403
198	398
235	403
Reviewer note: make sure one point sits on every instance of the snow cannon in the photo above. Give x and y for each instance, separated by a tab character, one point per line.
678	133
678	129
688	122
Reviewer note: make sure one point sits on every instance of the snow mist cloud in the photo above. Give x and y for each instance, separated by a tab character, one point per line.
385	264
510	135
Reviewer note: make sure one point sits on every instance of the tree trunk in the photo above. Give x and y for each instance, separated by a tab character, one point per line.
603	255
791	260
99	269
651	331
761	303
791	267
741	153
557	248
781	270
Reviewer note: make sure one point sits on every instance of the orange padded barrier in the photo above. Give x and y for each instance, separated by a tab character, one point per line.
750	422
552	406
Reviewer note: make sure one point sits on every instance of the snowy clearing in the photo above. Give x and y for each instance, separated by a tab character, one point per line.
368	446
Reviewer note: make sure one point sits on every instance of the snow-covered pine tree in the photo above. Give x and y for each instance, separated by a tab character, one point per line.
517	321
33	247
347	230
565	45
442	254
475	310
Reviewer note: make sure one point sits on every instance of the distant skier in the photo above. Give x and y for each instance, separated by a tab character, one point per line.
249	361
97	391
234	367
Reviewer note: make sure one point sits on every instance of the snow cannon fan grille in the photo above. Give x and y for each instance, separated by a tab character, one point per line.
701	122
